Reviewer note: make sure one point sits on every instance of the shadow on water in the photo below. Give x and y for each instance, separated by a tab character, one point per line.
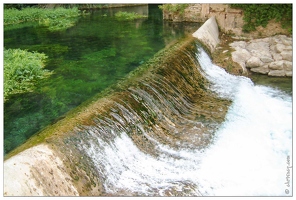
87	58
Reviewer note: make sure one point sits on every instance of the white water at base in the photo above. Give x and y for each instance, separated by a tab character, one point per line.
247	158
249	155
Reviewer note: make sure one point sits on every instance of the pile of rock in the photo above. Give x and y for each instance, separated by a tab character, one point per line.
271	55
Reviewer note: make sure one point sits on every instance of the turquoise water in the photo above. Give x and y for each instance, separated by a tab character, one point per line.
94	54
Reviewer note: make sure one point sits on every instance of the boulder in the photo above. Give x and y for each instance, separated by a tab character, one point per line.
258	48
254	62
287	55
241	57
289	73
277	73
279	48
288	66
277	65
272	55
276	56
238	44
262	70
266	59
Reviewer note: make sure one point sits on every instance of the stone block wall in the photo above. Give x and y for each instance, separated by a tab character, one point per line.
272	55
228	19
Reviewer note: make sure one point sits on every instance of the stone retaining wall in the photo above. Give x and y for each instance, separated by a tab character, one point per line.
228	19
271	55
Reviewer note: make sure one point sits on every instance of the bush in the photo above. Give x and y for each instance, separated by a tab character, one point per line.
175	8
260	14
55	19
128	15
21	70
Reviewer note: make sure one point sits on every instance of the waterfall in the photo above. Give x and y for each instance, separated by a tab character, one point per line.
190	129
253	146
184	127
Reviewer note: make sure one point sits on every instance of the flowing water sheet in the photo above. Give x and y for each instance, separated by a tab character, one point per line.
159	140
253	147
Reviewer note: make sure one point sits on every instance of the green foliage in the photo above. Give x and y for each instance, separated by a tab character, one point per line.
175	8
56	19
58	24
260	14
21	69
128	15
19	6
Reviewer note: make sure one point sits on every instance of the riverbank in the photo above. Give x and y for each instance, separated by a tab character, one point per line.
231	25
222	56
246	56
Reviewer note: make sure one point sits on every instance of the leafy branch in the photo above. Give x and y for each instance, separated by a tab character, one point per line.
260	14
21	70
174	8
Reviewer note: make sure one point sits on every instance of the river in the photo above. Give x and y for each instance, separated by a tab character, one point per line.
86	59
190	129
184	127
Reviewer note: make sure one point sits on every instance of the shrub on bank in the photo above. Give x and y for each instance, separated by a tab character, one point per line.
260	14
128	15
55	19
21	70
175	8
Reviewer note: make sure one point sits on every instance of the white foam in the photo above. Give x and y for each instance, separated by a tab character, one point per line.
248	156
127	168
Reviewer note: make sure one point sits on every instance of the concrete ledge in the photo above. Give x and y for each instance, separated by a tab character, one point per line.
37	171
208	34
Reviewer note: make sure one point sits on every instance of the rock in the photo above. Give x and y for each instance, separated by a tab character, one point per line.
277	65
288	48
262	70
288	66
279	48
266	59
287	55
287	41
254	62
240	44
277	73
289	73
240	57
272	55
276	56
258	48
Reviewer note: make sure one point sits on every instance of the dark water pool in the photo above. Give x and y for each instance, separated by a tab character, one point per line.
94	54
